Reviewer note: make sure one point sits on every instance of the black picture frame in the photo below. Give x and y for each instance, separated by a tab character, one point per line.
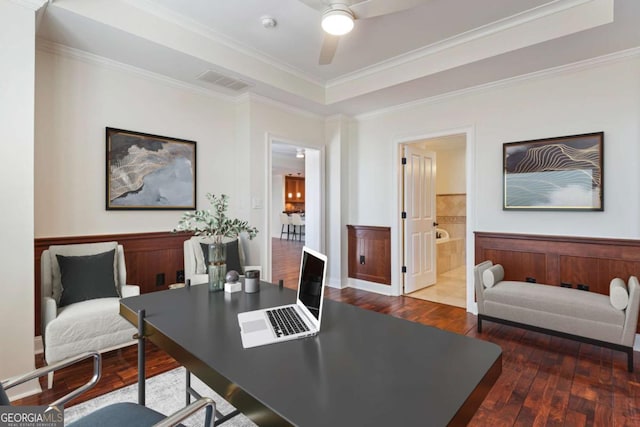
563	173
149	172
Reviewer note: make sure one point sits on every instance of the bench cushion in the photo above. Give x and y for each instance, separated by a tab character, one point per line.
565	310
554	299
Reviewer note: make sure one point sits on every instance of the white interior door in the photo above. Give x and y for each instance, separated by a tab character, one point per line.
420	222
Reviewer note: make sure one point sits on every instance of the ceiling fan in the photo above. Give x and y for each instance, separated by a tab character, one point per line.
338	18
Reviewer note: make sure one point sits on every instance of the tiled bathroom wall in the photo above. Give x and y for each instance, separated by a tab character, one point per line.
451	215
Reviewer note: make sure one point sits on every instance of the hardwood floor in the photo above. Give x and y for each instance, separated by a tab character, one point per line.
545	381
285	261
119	369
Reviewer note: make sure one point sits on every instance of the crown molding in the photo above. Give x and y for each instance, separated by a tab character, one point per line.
338	117
90	58
191	25
30	4
460	39
562	69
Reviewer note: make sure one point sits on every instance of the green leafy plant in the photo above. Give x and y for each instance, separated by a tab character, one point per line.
214	222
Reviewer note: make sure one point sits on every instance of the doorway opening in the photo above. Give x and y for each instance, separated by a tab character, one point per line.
294	207
435	229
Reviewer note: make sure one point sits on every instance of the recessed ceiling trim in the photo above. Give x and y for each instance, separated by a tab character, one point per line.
30	4
253	97
568	68
544	23
44	45
194	26
534	14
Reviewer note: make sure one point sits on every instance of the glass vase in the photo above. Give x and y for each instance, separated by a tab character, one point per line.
217	268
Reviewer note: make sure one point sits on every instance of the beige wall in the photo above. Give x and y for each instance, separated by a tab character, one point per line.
451	171
587	98
78	95
265	121
76	99
17	74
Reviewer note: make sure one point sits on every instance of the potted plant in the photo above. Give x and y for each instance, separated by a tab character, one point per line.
215	223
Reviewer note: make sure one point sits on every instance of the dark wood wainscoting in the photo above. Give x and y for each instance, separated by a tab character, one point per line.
556	260
147	255
370	253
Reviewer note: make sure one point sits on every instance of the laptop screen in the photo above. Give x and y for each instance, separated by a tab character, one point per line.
311	282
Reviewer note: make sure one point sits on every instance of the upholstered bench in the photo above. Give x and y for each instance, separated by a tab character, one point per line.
605	320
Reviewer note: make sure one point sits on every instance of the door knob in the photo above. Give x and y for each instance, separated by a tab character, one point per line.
435	224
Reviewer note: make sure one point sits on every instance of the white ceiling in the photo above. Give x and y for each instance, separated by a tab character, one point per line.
438	47
296	40
284	160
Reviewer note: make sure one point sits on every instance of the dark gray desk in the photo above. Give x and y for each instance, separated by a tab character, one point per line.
363	369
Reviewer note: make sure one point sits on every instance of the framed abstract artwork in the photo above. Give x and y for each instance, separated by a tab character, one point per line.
562	173
149	171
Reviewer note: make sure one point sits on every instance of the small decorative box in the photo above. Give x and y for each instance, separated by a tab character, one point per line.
233	287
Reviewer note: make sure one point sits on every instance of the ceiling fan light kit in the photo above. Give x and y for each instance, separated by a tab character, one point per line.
338	20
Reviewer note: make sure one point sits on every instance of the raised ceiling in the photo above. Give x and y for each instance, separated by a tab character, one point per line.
437	47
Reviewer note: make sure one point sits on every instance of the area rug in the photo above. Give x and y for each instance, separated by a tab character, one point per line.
165	394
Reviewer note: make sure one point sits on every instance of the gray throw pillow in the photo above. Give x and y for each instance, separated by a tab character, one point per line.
232	254
87	277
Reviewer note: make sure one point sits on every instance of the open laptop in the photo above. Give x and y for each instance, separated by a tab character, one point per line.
287	322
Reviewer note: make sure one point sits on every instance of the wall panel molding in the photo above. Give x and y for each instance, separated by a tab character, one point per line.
369	253
146	256
554	260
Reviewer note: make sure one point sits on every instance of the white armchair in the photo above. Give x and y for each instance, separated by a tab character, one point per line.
80	300
195	269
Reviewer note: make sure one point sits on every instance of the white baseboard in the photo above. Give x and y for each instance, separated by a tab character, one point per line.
370	286
636	343
24	390
30	387
335	282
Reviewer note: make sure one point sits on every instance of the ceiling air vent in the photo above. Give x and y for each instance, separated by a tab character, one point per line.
221	80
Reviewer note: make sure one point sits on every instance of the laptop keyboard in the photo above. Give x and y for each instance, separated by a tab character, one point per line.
286	321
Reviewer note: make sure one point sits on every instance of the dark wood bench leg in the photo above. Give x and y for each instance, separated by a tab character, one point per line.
630	359
479	323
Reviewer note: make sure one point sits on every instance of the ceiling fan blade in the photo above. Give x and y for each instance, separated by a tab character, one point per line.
316	4
328	49
371	8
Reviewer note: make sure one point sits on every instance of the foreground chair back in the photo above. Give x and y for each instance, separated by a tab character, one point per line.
116	415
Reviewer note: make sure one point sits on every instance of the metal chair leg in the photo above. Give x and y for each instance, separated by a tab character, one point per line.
141	357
